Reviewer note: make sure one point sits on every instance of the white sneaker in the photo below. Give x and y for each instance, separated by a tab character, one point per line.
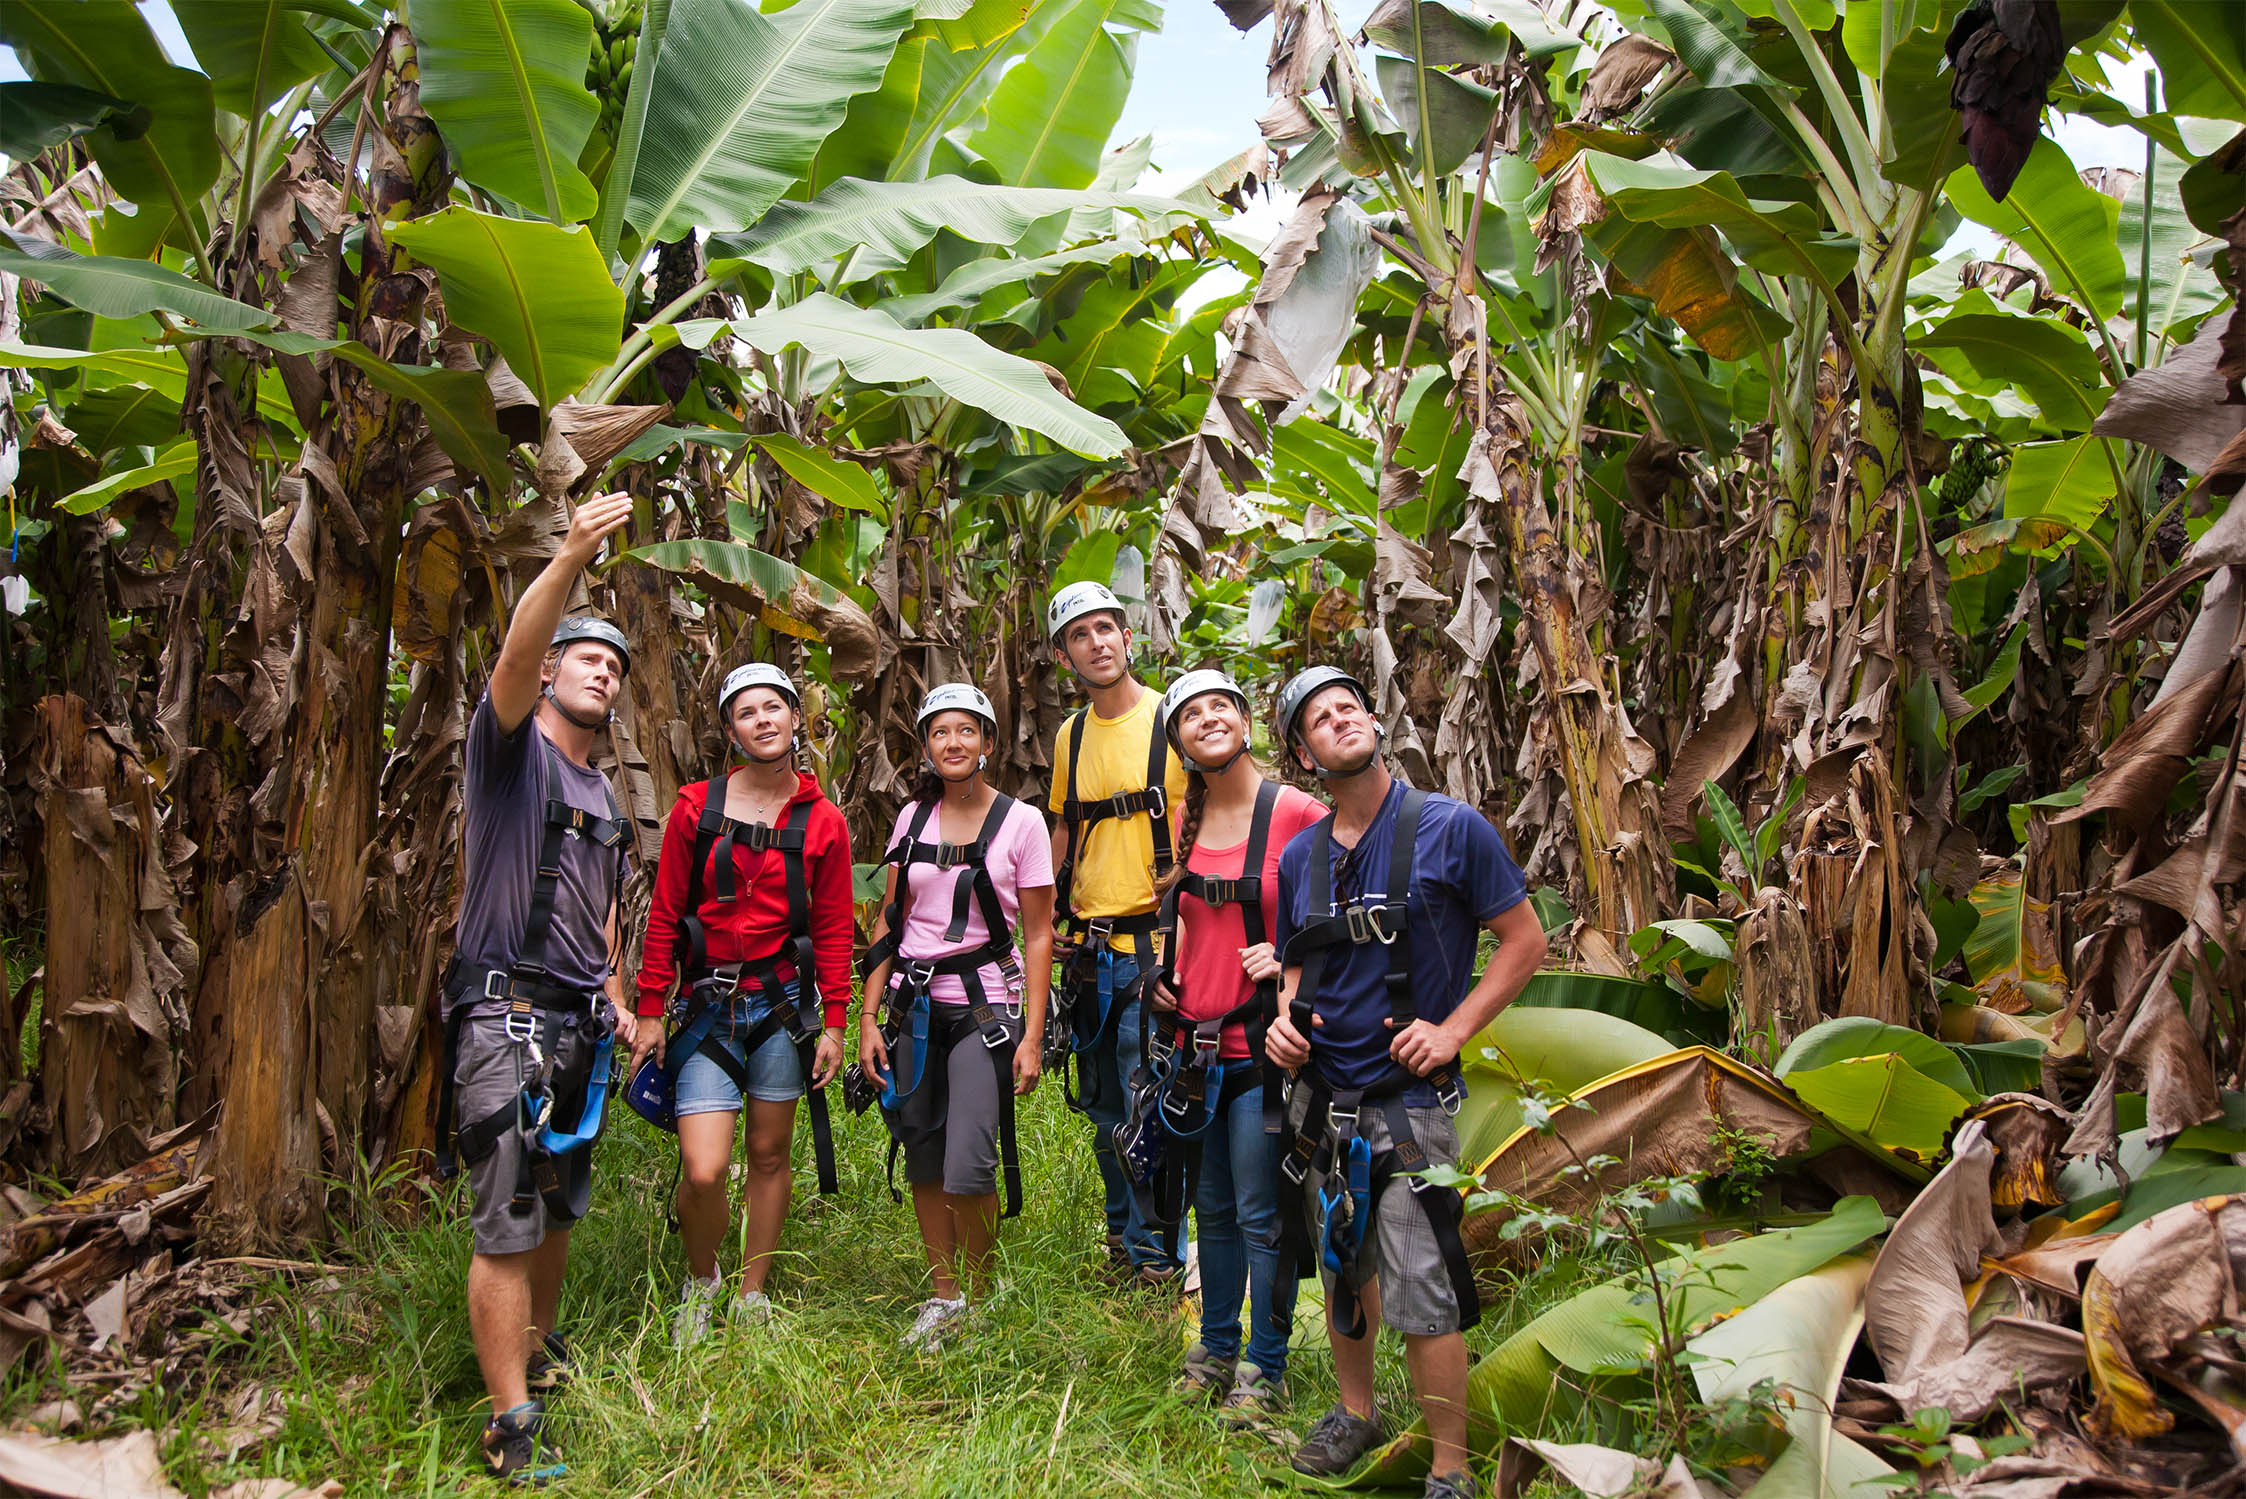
936	1316
751	1307
690	1324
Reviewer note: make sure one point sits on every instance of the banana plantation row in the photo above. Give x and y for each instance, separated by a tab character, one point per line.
1735	446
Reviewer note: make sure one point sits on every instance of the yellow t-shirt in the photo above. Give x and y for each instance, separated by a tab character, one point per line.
1115	856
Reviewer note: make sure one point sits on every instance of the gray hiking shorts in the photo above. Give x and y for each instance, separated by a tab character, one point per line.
488	1075
963	1155
1401	1251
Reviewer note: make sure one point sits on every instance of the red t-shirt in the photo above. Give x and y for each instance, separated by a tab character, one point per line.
752	925
1210	937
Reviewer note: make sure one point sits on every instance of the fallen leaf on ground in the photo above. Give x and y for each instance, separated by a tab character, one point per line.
126	1467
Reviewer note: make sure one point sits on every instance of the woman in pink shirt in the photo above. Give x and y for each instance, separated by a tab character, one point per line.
966	1012
1220	983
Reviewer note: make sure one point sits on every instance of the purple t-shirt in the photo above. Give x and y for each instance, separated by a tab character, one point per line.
1462	876
1021	858
509	778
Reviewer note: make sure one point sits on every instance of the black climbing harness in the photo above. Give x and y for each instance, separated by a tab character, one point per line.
1086	1002
1330	1228
537	1006
920	1033
1186	1085
784	1007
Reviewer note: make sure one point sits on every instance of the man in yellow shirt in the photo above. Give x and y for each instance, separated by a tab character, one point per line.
1114	787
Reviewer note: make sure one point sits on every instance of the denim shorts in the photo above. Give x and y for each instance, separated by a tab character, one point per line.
775	1075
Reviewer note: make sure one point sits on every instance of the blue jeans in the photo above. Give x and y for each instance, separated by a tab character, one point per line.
1113	1061
1238	1211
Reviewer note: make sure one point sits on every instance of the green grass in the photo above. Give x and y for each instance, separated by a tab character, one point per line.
382	1392
21	953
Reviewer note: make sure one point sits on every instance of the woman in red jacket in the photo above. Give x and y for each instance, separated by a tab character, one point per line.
751	921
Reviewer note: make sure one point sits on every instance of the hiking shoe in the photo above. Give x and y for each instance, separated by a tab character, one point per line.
696	1300
1254	1398
753	1308
1154	1277
1116	1269
1333	1446
1205	1374
516	1451
932	1319
549	1368
1458	1485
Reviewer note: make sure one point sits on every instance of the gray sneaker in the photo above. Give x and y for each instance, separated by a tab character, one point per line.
1253	1399
935	1317
1458	1485
696	1300
1333	1446
1205	1374
751	1309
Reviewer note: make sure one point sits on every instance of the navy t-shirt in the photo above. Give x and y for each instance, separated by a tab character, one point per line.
1462	876
509	778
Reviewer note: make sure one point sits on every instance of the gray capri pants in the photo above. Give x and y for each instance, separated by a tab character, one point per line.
963	1155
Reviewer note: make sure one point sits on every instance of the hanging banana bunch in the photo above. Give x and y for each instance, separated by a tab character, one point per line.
608	72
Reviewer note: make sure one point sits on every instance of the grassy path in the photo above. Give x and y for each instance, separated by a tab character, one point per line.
380	1381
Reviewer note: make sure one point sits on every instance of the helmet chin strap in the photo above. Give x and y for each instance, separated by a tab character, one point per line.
981	763
1214	770
586	724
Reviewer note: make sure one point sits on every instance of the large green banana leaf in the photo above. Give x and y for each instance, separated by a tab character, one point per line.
885	222
1050	116
740	101
254	50
112	286
2048	361
960	68
877	351
1556	1050
505	81
1798	1338
539	292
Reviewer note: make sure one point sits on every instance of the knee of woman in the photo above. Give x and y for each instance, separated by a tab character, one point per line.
701	1176
767	1157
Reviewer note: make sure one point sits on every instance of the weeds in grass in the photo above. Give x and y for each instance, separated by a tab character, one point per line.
1063	1388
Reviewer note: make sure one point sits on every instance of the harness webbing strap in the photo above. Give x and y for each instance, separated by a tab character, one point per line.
716	837
1384	918
917	1105
978	888
527	987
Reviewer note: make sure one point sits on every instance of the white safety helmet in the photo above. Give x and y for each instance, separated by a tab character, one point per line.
756	674
957	697
1184	690
1076	601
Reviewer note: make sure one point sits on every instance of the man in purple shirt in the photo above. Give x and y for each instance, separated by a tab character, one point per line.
533	990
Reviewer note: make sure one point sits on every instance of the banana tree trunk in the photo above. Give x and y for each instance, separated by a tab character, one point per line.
115	948
1617	819
294	969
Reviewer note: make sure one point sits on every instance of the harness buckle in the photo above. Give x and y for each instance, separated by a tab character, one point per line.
994	1034
1450	1094
919	974
1207	1043
1342	1117
953	855
1100	929
1360	925
496	983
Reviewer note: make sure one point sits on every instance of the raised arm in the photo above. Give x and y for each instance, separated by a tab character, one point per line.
516	675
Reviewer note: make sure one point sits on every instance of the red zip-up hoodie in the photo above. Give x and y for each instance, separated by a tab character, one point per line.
754	923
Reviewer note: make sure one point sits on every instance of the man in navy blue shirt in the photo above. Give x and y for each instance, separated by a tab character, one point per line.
1377	997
